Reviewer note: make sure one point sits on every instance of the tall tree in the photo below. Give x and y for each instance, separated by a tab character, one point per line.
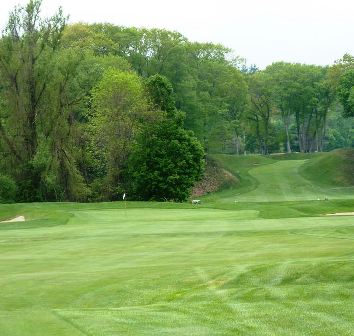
346	92
28	66
261	108
302	94
120	108
161	94
166	160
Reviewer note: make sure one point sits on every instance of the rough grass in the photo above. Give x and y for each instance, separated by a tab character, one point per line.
269	264
334	169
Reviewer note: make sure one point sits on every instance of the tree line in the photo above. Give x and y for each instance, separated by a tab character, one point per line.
90	111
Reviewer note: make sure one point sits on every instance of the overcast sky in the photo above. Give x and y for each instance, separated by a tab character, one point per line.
262	31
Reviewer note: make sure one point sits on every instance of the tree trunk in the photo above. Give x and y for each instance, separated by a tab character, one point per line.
286	121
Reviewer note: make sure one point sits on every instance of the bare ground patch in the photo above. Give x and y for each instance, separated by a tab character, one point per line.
16	219
341	214
215	178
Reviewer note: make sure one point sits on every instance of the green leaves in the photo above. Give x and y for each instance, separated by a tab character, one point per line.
161	94
120	107
166	162
76	100
8	189
346	92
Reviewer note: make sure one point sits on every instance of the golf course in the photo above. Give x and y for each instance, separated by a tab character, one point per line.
261	257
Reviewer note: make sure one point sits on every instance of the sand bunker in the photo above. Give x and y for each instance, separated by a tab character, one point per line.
341	214
16	219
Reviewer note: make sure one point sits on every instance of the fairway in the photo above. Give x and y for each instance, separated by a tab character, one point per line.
281	181
250	268
153	183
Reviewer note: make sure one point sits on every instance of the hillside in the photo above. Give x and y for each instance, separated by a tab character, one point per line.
297	176
333	169
215	178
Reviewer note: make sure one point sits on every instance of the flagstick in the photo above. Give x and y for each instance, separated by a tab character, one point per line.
125	205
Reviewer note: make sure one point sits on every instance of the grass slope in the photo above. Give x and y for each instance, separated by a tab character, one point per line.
334	169
289	177
270	264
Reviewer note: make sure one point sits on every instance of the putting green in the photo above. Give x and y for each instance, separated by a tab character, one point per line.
270	264
177	271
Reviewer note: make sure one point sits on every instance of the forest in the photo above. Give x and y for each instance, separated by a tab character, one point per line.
91	111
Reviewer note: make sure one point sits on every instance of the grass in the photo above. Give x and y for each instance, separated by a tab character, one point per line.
333	170
268	179
270	264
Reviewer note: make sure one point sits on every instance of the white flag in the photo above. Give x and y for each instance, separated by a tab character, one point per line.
124	196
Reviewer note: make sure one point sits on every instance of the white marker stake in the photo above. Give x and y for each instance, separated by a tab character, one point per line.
125	204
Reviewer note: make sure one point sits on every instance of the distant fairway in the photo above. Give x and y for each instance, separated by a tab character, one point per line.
222	268
271	180
281	181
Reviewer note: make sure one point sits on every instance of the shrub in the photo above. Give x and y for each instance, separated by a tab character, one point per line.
166	162
8	189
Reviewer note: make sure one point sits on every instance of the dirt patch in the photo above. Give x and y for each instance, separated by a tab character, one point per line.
341	214
215	178
16	219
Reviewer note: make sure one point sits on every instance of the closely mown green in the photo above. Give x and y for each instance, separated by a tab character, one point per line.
271	263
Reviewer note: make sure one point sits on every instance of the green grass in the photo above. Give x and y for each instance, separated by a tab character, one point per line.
268	179
240	167
333	170
269	264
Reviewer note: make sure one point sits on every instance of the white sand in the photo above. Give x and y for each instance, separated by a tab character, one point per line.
341	214
16	219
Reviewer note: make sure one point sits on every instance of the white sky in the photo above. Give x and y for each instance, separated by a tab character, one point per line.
262	31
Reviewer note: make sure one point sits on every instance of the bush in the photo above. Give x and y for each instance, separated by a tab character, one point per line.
166	162
8	189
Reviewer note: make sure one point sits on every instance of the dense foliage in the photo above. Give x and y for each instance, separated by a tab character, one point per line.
166	162
167	159
8	189
84	107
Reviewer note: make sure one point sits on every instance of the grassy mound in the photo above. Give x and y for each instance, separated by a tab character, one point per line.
295	156
333	169
239	166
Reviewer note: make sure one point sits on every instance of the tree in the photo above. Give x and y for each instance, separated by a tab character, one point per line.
8	189
166	160
261	108
341	80
346	92
282	81
120	108
37	100
161	94
302	94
